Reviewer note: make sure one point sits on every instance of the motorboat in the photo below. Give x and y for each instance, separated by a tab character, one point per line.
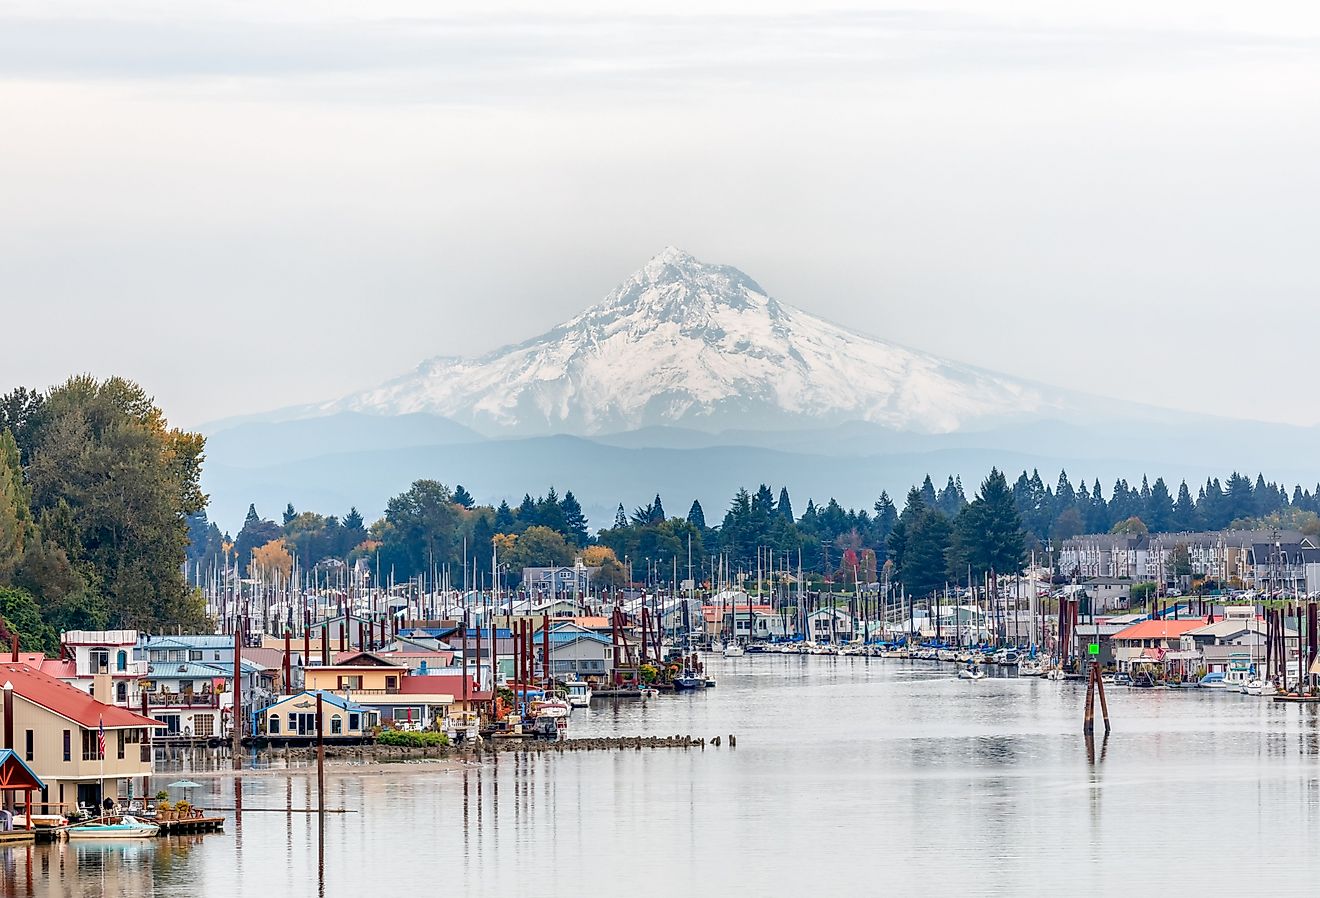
648	692
971	672
1213	681
1054	673
689	682
552	707
733	650
125	827
578	693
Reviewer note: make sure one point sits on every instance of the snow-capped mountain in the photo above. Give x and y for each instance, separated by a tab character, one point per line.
684	342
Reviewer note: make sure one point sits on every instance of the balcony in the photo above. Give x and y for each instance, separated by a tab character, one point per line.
183	699
92	668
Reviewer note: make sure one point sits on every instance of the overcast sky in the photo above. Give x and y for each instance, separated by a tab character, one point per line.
251	205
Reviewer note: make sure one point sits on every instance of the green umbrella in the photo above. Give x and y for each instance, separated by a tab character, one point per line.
186	785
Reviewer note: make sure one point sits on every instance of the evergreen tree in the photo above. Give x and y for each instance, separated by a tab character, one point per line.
1064	495
1159	507
1098	517
505	522
696	517
620	518
549	513
928	497
464	498
256	532
657	511
574	520
525	516
950	500
925	565
289	514
886	516
988	534
785	507
1184	510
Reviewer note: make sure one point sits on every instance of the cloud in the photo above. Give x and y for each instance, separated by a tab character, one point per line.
480	57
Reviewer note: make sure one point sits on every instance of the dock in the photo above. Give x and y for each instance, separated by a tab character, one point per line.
190	825
18	836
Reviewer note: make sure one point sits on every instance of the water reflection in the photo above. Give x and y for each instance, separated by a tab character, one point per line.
848	778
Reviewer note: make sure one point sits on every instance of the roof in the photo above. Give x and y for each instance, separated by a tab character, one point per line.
558	640
72	704
18	775
1159	629
188	642
186	670
362	659
329	698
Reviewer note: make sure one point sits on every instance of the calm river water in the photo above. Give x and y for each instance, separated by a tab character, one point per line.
849	778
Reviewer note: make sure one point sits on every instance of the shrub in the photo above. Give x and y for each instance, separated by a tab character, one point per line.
407	739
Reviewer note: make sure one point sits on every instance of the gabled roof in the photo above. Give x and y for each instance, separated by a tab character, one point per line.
16	774
328	698
1159	629
362	659
72	704
559	640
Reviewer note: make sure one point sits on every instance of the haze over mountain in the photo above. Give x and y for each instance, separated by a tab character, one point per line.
684	342
690	374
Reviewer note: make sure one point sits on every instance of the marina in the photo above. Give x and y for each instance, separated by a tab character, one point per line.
1004	764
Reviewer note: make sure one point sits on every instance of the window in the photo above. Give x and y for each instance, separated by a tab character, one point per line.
121	692
121	661
195	655
89	747
122	740
203	725
336	725
391	682
274	724
27	746
68	747
100	660
355	721
217	656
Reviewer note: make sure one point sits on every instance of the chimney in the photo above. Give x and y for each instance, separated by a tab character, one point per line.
103	688
15	658
9	716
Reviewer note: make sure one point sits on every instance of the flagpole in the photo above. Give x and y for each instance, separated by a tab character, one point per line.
100	750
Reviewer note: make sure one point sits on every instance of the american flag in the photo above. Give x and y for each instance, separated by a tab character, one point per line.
100	736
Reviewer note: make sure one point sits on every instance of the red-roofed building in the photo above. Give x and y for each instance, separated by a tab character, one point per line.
1152	640
59	731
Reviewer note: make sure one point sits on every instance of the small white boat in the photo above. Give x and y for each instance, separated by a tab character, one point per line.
1054	673
971	672
126	827
733	650
1259	687
553	707
578	693
649	692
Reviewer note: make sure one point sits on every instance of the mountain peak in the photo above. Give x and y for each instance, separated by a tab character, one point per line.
690	343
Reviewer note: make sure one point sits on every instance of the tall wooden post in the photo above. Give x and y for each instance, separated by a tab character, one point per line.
545	649
288	662
236	724
320	752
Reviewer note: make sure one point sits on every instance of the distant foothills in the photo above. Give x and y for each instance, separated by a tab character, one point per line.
103	524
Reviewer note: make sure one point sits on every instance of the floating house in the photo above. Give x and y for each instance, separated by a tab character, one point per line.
293	718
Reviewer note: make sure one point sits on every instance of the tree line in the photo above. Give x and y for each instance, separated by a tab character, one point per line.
95	487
